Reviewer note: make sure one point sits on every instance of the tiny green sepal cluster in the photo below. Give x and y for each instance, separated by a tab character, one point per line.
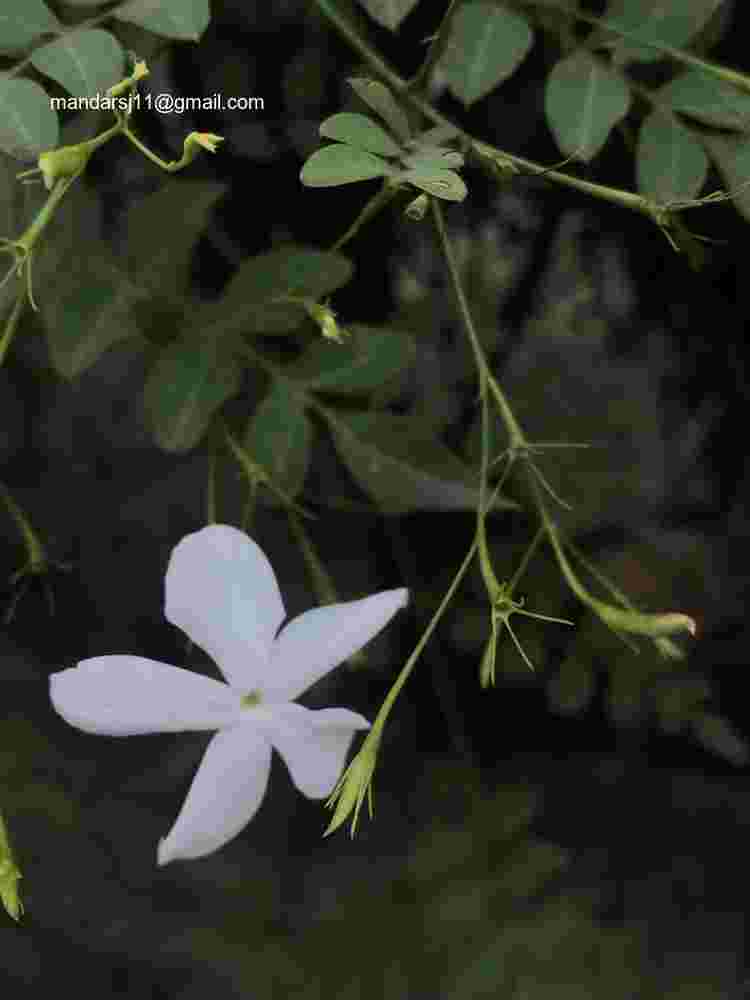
362	150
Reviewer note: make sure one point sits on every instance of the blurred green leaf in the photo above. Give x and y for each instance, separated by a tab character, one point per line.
253	300
81	325
23	21
719	736
279	437
731	154
670	24
708	99
341	164
185	20
362	363
28	125
389	13
162	230
377	96
400	463
487	44
83	62
671	164
433	138
359	131
583	100
190	380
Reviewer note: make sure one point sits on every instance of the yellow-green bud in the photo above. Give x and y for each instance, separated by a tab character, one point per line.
66	161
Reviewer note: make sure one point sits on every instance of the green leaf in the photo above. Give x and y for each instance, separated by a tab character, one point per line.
401	464
434	137
83	62
341	164
96	313
23	21
672	24
487	44
389	13
252	302
377	96
279	437
182	19
362	363
671	163
441	183
583	100
189	382
731	154
162	231
435	159
28	125
359	131
708	99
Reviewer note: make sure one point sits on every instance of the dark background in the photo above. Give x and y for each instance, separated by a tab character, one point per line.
653	825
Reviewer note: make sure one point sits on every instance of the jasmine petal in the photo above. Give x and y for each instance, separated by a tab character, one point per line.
313	745
130	696
222	592
312	644
226	793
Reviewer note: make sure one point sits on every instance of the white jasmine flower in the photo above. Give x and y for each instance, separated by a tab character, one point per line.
222	592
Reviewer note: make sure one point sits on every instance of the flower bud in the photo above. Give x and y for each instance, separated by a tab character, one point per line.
640	624
64	162
416	209
197	141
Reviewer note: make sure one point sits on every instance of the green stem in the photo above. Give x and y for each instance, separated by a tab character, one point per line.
11	326
379	200
420	82
625	199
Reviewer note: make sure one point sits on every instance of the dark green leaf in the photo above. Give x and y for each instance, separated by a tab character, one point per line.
94	314
434	137
252	302
359	131
671	163
190	381
182	19
389	13
162	232
83	62
279	437
583	100
708	99
661	24
400	463
487	44
23	21
377	96
341	164
363	362
28	125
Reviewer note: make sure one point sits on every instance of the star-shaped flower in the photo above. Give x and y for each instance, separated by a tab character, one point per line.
222	592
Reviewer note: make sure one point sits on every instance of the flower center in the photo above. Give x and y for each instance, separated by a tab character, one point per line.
251	699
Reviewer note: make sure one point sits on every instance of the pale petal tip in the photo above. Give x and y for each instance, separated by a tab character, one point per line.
164	853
